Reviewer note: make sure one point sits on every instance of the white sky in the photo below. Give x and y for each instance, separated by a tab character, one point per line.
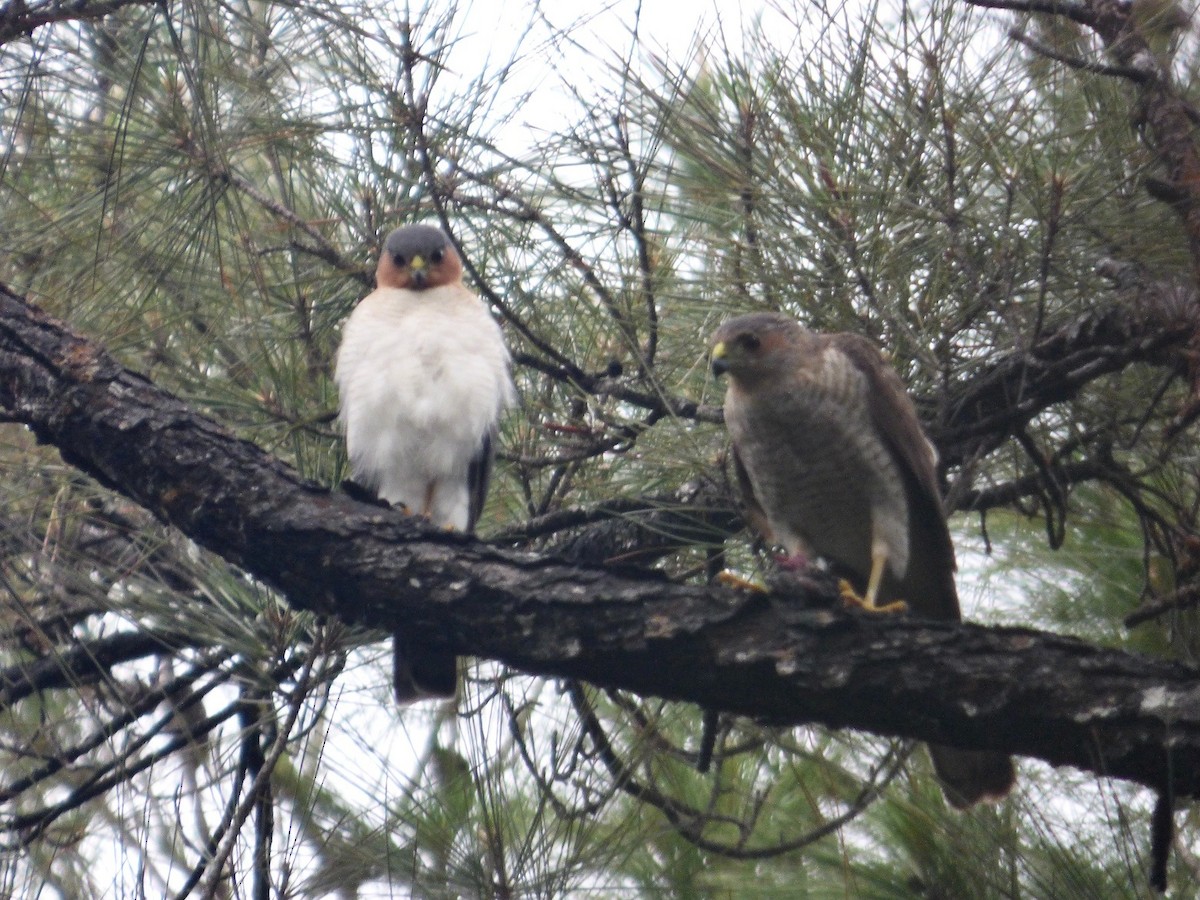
598	36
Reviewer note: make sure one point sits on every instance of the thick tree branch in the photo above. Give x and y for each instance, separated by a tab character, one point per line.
983	411
1012	689
19	18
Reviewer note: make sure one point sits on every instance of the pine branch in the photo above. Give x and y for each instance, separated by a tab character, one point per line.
1076	12
784	661
83	664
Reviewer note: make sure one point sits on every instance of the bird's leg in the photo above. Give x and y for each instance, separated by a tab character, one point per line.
879	557
427	505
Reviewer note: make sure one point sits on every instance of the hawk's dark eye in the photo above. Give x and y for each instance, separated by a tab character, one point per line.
436	257
749	341
399	260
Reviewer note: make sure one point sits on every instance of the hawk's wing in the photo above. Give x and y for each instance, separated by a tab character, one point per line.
756	516
928	586
479	477
892	411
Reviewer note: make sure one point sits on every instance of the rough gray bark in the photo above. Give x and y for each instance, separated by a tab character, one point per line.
787	661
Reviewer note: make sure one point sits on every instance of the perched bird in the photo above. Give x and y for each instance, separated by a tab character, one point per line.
423	376
832	461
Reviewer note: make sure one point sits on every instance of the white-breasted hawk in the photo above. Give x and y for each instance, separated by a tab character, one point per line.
423	376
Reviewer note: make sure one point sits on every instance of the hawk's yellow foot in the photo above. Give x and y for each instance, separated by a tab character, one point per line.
851	598
869	603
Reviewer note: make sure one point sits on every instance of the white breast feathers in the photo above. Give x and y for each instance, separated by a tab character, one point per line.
423	377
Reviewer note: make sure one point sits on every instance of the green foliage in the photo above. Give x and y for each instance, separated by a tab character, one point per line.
202	188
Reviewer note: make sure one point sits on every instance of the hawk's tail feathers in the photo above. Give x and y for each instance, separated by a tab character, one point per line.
419	674
969	776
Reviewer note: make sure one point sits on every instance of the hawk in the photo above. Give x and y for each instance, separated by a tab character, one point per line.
423	376
832	461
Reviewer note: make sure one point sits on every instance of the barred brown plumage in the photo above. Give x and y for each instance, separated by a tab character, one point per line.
832	461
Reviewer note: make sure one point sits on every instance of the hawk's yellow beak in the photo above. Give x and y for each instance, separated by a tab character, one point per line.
420	271
719	364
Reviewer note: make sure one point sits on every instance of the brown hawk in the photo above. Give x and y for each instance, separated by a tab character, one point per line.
832	461
423	375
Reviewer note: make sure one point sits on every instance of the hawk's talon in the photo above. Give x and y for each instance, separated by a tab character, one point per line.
739	584
852	600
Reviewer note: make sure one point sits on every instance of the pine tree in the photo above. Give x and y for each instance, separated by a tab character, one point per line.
195	705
